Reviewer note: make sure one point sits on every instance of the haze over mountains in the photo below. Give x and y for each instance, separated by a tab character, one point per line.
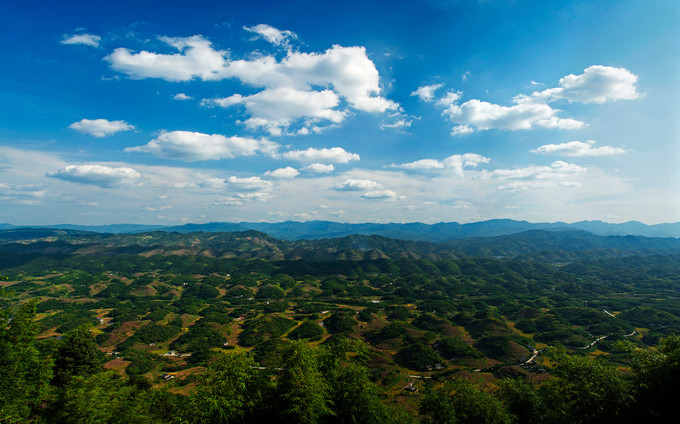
293	230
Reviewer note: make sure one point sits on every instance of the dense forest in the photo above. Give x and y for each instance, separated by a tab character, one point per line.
545	327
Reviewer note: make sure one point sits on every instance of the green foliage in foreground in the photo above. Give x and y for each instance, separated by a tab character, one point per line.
25	372
46	382
458	401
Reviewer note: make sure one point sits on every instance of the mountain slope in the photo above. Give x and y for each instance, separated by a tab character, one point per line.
541	245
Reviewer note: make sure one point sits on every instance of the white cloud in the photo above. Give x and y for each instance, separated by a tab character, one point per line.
449	99
242	198
479	115
197	59
306	216
484	116
597	84
86	39
258	196
357	185
181	96
455	162
287	172
557	170
522	186
272	35
98	175
347	71
426	92
458	162
224	102
319	168
249	183
400	124
100	127
333	155
156	208
276	109
421	164
229	201
579	148
379	195
461	130
194	146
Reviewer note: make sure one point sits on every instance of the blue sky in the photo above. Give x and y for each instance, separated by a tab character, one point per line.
383	111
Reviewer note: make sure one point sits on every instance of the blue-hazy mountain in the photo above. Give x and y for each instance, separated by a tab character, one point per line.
292	230
440	232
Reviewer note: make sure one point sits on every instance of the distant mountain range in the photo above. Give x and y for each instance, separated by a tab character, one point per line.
541	245
441	232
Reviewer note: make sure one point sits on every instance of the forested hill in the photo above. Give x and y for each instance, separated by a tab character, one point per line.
535	327
545	246
443	231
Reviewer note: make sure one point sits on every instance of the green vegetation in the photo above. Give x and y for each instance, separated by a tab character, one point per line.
246	328
307	330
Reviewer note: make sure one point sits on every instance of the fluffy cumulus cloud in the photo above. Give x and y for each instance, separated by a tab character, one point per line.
276	109
482	115
287	172
347	70
458	162
100	127
181	96
369	189
357	185
379	195
196	59
85	39
273	35
307	86
450	99
319	168
194	146
421	164
461	130
332	155
579	148
98	175
597	84
426	92
455	162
